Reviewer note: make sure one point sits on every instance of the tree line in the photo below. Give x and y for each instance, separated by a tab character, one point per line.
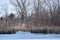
44	12
41	13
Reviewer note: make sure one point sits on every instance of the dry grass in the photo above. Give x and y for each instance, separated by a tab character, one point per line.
55	30
12	27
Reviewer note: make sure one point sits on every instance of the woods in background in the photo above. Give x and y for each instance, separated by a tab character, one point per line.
41	13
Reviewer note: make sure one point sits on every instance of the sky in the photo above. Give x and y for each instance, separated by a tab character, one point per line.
10	7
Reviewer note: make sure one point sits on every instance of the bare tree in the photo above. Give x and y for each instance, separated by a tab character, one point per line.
22	7
4	8
53	7
39	11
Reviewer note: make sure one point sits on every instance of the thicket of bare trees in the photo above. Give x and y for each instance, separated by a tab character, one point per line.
47	12
44	12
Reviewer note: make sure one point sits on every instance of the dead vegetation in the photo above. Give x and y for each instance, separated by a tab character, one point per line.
44	17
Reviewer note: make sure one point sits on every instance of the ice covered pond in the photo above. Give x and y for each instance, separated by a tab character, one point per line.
28	35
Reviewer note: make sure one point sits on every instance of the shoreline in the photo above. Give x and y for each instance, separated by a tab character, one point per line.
43	30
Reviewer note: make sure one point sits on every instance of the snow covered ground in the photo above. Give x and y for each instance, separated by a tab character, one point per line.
28	35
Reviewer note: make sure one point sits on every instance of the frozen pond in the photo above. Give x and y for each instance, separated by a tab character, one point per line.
28	35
